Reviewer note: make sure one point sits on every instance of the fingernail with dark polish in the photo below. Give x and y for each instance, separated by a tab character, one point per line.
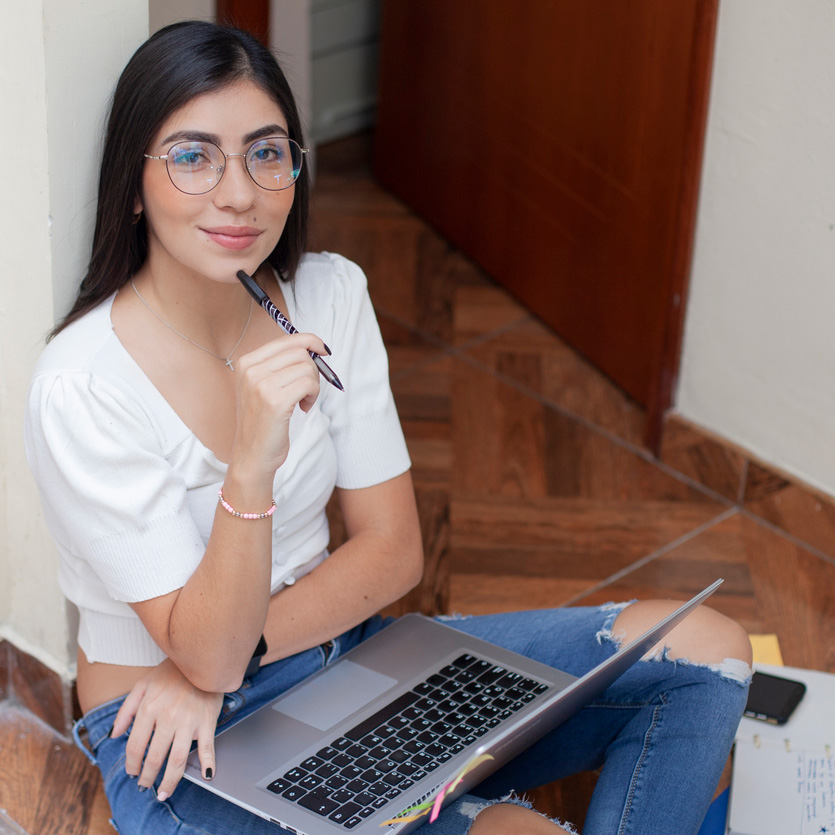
328	350
133	776
110	732
143	788
209	773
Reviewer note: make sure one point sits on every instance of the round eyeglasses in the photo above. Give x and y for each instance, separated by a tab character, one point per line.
273	164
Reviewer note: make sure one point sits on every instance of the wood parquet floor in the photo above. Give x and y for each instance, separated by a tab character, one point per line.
532	486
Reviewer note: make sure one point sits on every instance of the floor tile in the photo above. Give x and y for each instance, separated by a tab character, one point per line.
716	465
535	357
798	510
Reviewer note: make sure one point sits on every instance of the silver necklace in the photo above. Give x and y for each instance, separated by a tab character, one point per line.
227	359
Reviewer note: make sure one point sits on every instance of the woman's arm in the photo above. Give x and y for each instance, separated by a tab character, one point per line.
210	626
381	560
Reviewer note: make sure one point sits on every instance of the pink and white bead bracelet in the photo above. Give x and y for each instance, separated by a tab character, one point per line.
229	509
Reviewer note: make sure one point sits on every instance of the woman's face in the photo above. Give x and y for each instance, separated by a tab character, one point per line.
235	225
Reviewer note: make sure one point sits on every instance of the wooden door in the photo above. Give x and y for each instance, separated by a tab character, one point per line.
251	15
558	144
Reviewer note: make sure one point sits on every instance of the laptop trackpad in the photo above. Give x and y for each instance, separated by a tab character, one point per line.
335	694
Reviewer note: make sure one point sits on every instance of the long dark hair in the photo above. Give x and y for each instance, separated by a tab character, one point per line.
173	66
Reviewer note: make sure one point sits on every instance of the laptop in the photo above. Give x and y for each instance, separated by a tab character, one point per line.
390	724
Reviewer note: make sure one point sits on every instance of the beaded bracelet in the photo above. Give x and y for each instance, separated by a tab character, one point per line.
229	509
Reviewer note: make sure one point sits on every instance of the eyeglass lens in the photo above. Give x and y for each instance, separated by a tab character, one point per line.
196	167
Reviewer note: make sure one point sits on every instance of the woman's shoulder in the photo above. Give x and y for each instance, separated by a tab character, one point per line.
329	274
85	366
78	346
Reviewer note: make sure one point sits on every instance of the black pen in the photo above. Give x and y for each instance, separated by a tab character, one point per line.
278	317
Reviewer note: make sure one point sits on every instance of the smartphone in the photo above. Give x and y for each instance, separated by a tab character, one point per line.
772	698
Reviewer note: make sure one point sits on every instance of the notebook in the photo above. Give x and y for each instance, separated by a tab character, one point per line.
783	780
420	709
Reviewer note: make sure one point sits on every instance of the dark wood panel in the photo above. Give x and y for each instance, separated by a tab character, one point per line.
560	149
251	15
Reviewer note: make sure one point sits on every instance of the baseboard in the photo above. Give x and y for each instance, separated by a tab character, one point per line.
37	688
752	484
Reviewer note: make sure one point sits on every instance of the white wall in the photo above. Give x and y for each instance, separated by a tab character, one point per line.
344	53
758	364
58	65
163	12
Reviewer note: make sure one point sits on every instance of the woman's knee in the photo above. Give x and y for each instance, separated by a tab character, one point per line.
503	818
705	636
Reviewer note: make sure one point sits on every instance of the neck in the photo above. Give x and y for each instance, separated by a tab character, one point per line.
211	312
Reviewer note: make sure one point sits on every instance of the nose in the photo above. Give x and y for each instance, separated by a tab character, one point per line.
236	188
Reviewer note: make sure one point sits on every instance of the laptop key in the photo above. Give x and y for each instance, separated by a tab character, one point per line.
312	763
321	805
310	782
278	786
295	774
352	822
294	793
493	674
336	782
345	812
364	798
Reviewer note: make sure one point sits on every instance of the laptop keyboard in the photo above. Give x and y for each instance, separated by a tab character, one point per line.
374	762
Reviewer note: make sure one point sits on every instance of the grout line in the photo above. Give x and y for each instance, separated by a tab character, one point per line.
789	537
665	549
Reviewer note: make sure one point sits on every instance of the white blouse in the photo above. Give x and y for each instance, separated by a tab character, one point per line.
129	493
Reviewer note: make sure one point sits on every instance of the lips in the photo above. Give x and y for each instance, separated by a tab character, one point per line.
233	237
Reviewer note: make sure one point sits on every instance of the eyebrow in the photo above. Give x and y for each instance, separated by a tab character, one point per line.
201	136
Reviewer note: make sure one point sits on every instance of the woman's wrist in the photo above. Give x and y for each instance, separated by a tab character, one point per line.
246	492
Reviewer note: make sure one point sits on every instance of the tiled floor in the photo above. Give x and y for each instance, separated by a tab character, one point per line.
532	484
537	490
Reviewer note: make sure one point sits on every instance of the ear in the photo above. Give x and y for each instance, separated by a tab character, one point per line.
137	204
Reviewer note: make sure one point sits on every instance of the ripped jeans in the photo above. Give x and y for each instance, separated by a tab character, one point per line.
660	735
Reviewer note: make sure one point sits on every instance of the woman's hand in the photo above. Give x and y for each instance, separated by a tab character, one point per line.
272	380
168	713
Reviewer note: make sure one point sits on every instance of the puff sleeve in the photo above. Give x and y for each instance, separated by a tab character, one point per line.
111	497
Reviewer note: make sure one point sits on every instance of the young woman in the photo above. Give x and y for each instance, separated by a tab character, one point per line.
185	451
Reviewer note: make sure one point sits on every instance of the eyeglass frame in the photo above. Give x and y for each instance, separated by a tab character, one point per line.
226	156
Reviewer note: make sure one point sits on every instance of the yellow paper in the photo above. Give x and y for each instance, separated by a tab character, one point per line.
766	650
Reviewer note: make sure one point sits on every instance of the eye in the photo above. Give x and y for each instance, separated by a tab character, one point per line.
268	152
190	156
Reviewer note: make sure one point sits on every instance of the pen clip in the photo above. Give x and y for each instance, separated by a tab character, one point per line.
252	288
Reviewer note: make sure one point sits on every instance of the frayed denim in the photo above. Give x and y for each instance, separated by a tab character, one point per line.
660	734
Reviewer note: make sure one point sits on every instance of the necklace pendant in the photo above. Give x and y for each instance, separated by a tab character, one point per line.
229	363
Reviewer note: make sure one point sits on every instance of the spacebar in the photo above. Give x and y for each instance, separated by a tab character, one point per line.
384	714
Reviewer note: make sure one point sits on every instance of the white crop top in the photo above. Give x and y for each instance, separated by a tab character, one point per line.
129	493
